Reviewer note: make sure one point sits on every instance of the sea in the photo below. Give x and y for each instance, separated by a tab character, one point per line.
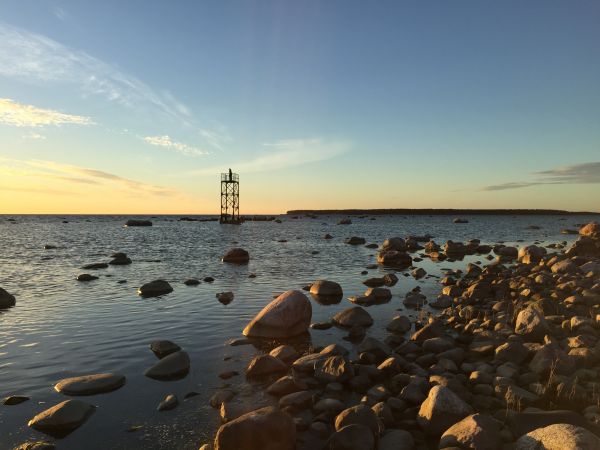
62	328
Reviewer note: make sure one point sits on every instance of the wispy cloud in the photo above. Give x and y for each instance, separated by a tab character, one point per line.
586	173
41	169
60	13
286	153
166	142
34	58
34	136
20	115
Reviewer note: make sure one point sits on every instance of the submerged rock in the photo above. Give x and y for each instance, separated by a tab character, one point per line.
14	400
155	288
95	266
120	259
286	316
191	282
63	418
6	300
172	367
355	240
163	348
90	384
225	297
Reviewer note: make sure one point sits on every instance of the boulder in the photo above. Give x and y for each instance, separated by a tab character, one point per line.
12	400
168	403
86	277
559	436
265	429
532	325
285	353
236	256
394	258
395	243
591	229
396	440
333	369
379	294
264	365
63	418
286	316
521	423
172	367
551	358
355	240
359	415
225	297
6	300
120	259
441	409
350	317
286	385
399	324
326	288
477	431
164	348
155	288
531	254
352	437
296	401
90	384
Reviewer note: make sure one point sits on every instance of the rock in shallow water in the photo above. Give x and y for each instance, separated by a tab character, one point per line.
353	316
169	402
86	277
14	400
286	316
138	223
63	418
164	348
236	256
6	300
171	367
155	288
90	384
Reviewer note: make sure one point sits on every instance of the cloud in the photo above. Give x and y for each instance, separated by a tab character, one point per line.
41	169
19	115
34	58
34	136
179	147
60	13
286	153
586	173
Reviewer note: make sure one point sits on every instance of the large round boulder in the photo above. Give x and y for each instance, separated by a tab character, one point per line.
326	291
394	258
359	415
286	316
477	431
236	256
532	325
531	254
559	436
350	317
6	300
90	384
352	437
264	429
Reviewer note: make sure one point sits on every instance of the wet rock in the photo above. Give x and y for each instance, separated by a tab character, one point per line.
328	236
163	348
477	431
396	440
390	279
6	300
399	324
120	259
286	316
296	401
333	369
394	258
63	418
285	353
441	302
560	436
225	297
381	295
95	266
326	288
14	400
236	256
321	325
228	374
441	409
265	428
219	397
138	223
395	243
169	402
286	385
355	316
86	277
345	222
418	273
172	367
90	384
155	288
355	240
208	279
459	220
374	282
352	437
264	365
414	299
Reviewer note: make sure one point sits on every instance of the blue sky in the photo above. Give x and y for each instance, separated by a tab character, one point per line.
137	106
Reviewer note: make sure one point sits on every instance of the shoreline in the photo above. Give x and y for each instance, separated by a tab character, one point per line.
441	212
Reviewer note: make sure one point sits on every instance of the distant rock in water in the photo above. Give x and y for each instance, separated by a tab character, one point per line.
345	222
138	223
355	240
236	256
86	277
225	297
191	282
95	266
155	288
120	259
457	220
169	402
6	300
286	316
49	247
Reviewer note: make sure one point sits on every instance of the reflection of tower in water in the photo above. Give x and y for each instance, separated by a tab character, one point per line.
230	198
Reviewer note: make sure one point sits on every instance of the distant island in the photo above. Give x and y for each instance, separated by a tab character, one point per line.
440	212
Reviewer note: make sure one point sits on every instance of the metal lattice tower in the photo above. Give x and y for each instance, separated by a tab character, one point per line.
230	198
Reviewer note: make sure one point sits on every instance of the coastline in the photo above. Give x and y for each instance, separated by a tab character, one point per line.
440	212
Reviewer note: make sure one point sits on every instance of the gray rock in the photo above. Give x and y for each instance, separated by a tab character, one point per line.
264	365
172	367
163	348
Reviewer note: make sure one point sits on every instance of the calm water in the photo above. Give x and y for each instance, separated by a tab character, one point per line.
61	327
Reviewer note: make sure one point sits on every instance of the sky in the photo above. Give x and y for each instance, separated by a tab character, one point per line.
138	106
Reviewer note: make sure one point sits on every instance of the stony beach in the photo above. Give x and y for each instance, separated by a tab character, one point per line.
500	351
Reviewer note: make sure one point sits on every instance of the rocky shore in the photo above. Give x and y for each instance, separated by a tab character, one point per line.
509	360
